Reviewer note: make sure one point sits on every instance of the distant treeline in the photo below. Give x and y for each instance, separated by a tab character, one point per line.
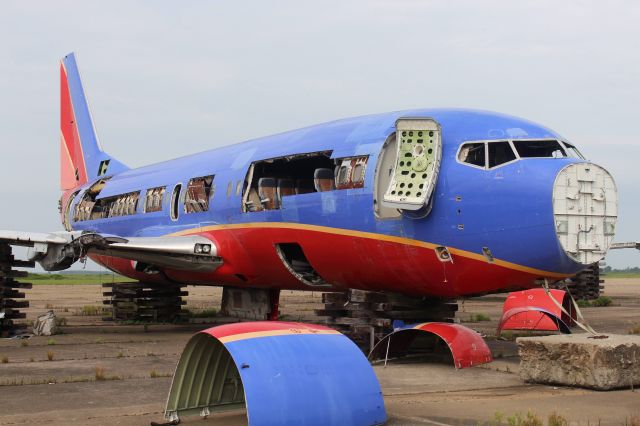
627	270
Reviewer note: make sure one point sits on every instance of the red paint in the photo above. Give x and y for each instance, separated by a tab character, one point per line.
73	157
345	261
467	347
530	318
260	326
536	300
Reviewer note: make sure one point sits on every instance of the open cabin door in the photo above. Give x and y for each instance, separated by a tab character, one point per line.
415	174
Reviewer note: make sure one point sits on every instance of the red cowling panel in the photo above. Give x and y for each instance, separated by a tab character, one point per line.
467	347
532	319
529	318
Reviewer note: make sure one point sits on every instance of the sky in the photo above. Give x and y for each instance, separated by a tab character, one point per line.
165	79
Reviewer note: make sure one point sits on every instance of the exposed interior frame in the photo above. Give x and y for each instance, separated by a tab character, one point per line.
66	216
206	380
294	259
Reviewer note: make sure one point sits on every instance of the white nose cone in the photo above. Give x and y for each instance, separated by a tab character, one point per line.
585	208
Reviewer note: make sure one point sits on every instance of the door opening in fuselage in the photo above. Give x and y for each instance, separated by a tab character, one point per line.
175	201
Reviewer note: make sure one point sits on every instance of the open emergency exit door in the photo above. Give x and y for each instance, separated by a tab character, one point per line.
415	174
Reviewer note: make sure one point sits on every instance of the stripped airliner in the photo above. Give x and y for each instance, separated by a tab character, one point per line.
440	203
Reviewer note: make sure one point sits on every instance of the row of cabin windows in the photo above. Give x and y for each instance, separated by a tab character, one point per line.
495	153
266	195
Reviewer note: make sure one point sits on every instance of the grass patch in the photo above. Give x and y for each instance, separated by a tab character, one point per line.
556	419
74	279
50	355
600	302
635	329
99	373
530	419
4	359
154	374
120	355
51	342
101	376
61	321
479	318
205	313
24	343
89	311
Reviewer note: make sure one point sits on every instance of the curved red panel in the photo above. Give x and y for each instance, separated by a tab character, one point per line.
536	319
467	347
530	318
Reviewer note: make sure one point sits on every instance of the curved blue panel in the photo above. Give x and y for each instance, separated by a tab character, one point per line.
307	379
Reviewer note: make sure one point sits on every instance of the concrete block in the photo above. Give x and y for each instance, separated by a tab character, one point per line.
581	361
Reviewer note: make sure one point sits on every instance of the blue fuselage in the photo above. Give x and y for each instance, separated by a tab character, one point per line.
507	209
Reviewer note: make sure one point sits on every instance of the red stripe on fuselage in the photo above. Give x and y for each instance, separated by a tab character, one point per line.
346	261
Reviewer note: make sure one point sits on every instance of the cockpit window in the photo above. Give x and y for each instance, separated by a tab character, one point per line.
548	148
500	153
473	153
572	151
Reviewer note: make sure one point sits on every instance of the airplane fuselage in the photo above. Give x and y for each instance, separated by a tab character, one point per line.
489	228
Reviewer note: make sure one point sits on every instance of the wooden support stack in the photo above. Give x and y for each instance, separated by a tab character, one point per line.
145	302
367	316
10	294
586	285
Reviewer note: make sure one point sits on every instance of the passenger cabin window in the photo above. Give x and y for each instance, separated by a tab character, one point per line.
153	200
269	181
539	149
500	153
198	193
473	153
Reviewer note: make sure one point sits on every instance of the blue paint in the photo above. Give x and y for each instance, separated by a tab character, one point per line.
308	380
93	154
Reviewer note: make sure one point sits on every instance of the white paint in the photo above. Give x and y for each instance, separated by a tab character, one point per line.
585	207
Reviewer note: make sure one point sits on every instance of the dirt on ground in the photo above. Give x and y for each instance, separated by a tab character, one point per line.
99	372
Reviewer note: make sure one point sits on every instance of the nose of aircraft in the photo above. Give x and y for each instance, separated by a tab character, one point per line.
585	208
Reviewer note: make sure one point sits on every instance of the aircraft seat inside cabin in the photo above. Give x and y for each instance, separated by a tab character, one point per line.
304	186
253	202
267	192
323	180
285	187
